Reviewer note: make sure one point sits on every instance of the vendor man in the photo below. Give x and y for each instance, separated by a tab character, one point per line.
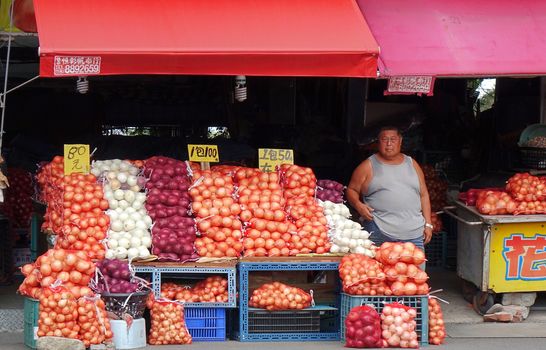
388	190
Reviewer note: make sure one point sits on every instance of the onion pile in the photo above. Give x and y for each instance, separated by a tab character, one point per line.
168	203
497	203
219	227
530	193
471	196
400	266
93	321
363	328
129	236
330	190
75	209
17	204
115	277
257	189
299	184
168	325
58	314
398	326
437	330
345	234
212	289
437	188
362	275
279	296
537	141
73	268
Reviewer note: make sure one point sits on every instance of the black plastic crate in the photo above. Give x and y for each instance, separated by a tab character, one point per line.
533	157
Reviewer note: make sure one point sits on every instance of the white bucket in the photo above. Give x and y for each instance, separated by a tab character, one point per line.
132	339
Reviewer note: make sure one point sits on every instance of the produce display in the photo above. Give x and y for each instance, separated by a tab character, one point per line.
362	275
168	203
363	328
437	331
219	228
495	203
114	277
75	209
330	190
17	205
398	326
212	289
167	323
344	234
279	296
128	236
400	265
471	196
437	188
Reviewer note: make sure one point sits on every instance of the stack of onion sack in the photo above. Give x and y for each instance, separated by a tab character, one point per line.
330	190
73	268
497	203
437	188
437	330
312	231
362	275
398	326
168	324
75	209
401	261
529	192
279	296
363	328
344	234
129	236
216	212
17	204
437	225
93	321
114	276
212	289
168	201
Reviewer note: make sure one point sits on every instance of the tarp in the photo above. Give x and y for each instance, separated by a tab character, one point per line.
458	38
212	37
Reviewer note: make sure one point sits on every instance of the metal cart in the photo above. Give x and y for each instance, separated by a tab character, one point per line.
499	253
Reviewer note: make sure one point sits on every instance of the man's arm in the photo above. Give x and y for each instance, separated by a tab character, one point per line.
425	202
358	178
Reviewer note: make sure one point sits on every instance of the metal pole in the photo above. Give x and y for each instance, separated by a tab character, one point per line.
4	95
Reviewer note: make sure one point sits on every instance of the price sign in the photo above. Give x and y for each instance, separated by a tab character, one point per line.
76	159
203	153
269	158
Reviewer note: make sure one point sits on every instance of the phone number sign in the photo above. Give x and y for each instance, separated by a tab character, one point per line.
76	65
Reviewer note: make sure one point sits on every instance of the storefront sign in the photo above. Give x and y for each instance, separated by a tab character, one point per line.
269	158
518	257
76	159
203	153
410	85
76	65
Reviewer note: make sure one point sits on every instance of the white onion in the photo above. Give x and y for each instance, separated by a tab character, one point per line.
133	170
131	180
113	204
335	248
121	253
124	166
112	243
111	175
135	188
110	254
136	216
135	242
137	204
147	241
124	243
143	252
141	225
119	194
116	225
129	196
123	216
122	177
123	204
129	225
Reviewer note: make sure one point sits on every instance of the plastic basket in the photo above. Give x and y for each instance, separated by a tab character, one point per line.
534	158
418	302
31	312
206	324
118	304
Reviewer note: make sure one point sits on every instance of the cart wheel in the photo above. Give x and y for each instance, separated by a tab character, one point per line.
482	302
469	290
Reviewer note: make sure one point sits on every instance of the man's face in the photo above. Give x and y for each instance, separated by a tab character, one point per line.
389	143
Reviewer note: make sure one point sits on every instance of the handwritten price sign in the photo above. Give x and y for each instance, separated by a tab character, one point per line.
269	158
76	159
203	153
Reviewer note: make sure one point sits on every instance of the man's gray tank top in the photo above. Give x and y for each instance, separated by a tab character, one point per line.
394	194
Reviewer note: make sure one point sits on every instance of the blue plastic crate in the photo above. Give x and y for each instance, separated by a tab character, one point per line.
31	312
418	302
206	324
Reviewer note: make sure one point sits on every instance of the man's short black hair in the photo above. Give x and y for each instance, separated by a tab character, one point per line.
389	128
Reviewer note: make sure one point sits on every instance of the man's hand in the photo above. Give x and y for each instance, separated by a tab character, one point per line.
366	211
427	235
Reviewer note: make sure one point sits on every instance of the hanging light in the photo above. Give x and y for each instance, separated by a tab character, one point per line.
240	88
82	85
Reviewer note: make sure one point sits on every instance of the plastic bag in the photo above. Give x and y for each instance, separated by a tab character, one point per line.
279	296
167	323
362	275
363	328
437	330
58	313
495	203
93	320
398	326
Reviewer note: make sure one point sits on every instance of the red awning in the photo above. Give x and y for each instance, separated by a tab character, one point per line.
216	37
458	37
